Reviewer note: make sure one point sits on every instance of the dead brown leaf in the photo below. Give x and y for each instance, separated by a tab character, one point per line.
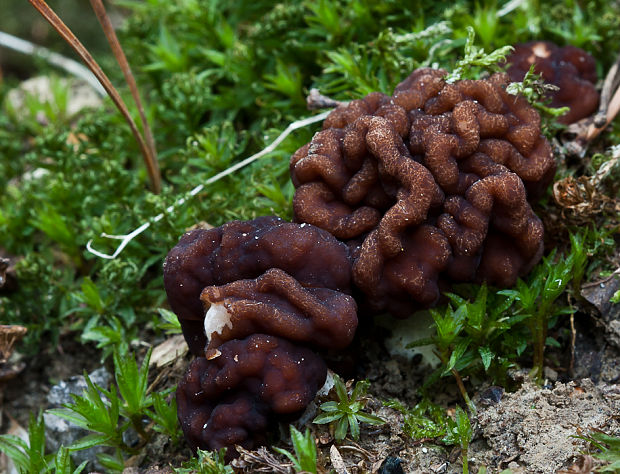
9	335
584	465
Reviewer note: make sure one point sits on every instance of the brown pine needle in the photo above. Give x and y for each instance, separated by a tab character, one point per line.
119	54
78	47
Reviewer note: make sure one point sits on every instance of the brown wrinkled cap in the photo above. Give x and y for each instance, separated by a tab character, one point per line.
570	68
421	187
245	250
276	303
234	398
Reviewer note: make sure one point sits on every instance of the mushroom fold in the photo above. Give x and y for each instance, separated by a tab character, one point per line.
428	186
232	399
569	68
242	250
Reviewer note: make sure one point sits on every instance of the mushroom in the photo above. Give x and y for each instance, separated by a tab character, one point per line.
569	68
234	398
311	261
254	299
426	187
421	182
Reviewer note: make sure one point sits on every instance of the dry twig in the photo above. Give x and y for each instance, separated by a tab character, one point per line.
260	460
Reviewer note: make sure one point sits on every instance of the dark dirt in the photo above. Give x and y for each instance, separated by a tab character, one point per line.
27	392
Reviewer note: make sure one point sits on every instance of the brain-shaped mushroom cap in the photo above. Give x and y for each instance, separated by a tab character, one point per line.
232	399
265	275
570	68
430	185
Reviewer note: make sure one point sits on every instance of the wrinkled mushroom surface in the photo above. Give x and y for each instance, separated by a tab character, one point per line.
426	187
309	261
276	303
419	182
570	68
234	398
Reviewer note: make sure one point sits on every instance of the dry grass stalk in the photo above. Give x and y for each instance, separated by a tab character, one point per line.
64	31
119	54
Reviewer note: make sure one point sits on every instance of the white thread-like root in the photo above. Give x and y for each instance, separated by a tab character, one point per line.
126	238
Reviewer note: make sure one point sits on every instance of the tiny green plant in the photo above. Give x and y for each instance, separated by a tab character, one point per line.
475	336
109	337
429	422
164	414
475	57
425	421
346	413
305	457
132	382
110	413
460	432
536	91
607	449
29	456
490	330
206	462
536	302
36	112
63	463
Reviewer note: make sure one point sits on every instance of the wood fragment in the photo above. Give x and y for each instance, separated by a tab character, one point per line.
316	100
337	461
9	335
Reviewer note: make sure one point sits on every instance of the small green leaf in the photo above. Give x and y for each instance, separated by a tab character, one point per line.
360	389
487	356
132	382
342	426
329	406
324	418
290	456
90	441
341	390
15	448
114	463
354	426
305	451
171	324
165	416
457	353
370	419
91	295
464	426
